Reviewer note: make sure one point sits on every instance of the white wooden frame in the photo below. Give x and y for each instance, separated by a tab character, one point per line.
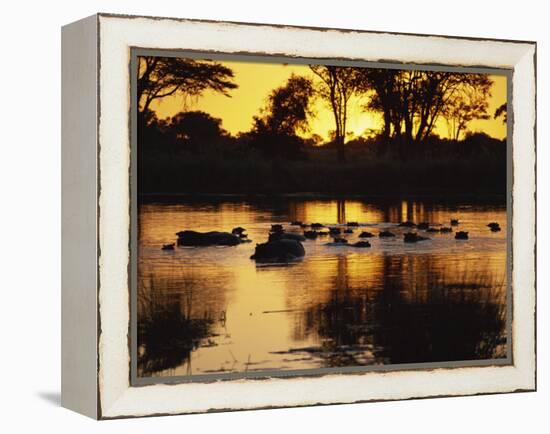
96	217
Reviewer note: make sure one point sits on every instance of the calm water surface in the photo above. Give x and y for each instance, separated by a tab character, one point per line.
213	309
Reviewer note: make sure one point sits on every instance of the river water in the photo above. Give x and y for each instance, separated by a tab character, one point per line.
214	310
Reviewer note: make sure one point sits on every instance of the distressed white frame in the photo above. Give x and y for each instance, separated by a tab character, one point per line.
116	398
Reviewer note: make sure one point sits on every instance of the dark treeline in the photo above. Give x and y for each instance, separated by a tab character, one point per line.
192	153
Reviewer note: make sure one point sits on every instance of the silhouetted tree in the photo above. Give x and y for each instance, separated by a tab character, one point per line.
380	84
159	77
286	113
435	91
315	140
155	134
337	85
412	101
196	129
481	144
464	109
396	94
289	107
501	111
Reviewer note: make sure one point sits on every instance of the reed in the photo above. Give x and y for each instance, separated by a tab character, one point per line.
446	321
168	331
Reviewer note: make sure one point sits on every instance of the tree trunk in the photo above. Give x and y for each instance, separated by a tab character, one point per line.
387	126
408	143
341	150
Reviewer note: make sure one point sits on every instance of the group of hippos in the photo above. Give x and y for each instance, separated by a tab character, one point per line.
284	246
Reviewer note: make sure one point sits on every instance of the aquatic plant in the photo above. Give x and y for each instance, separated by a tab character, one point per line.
167	329
450	321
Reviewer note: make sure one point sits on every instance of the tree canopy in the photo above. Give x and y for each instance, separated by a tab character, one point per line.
287	112
337	85
501	111
411	101
196	129
288	107
159	77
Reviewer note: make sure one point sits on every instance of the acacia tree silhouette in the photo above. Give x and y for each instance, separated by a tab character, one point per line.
338	84
463	110
159	77
381	86
502	110
412	101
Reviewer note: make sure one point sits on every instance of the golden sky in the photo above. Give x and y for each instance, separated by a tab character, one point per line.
257	79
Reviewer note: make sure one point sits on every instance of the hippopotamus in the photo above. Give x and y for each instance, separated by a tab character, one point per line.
285	236
168	246
495	227
214	238
386	234
352	224
413	237
348	231
339	240
278	251
361	244
445	230
454	222
423	225
296	223
239	231
317	225
461	235
335	231
366	235
311	235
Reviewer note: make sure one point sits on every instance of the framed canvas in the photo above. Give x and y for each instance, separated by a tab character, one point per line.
261	216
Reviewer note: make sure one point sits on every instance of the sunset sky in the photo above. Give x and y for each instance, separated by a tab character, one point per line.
256	80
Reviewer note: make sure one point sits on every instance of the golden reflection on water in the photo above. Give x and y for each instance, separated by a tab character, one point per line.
338	306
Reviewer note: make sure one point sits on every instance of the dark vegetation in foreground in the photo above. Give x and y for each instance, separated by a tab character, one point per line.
167	330
450	322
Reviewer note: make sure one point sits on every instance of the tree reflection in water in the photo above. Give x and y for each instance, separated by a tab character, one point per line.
344	325
452	321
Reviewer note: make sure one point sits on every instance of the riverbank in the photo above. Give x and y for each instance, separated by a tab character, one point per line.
177	174
192	197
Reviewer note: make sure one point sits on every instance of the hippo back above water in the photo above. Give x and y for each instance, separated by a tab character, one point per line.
278	251
214	238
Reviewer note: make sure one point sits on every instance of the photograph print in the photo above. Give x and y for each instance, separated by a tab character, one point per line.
293	216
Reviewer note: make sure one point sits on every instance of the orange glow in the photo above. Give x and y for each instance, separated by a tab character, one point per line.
257	79
260	312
